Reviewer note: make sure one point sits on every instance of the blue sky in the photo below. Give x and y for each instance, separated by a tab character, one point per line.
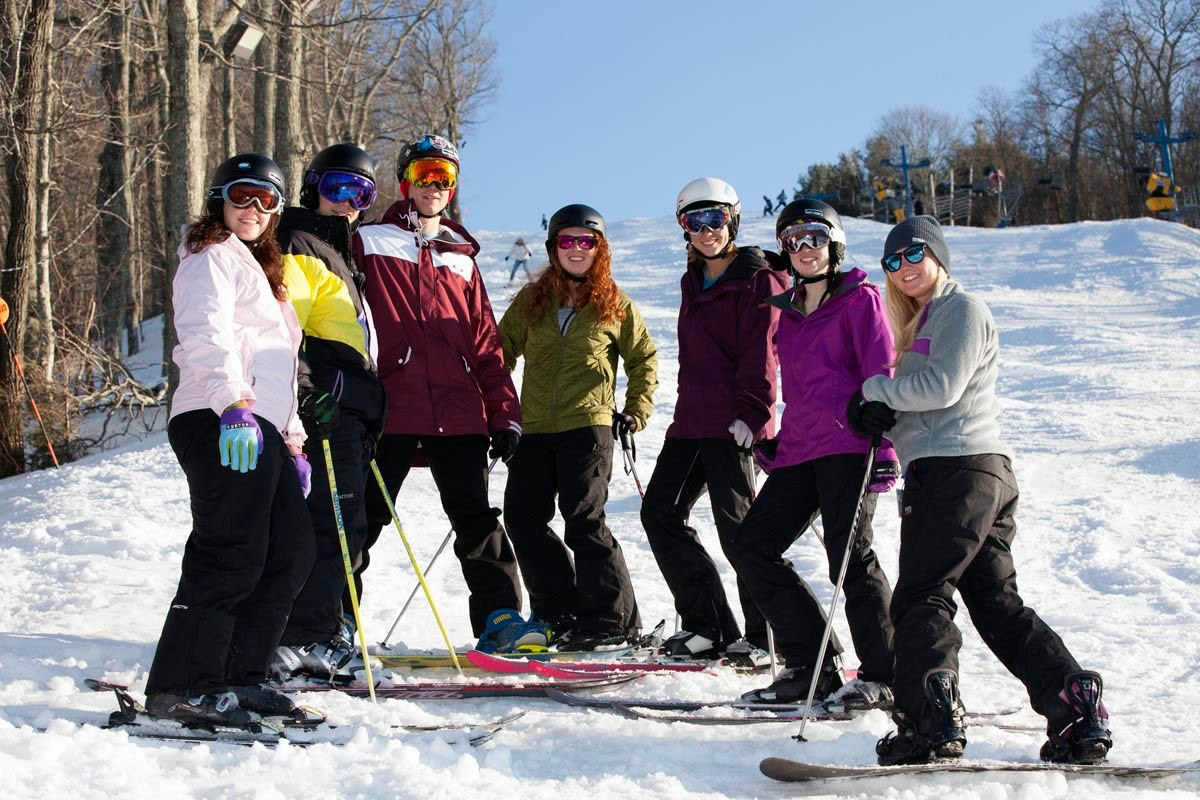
618	104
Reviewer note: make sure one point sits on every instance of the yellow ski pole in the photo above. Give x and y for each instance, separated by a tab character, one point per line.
337	515
416	567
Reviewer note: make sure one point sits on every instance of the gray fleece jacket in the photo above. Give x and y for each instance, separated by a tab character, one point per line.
945	387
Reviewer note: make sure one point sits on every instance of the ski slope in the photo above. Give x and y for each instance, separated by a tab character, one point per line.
1099	380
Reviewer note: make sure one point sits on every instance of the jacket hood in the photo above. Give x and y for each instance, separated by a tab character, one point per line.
746	262
453	236
851	280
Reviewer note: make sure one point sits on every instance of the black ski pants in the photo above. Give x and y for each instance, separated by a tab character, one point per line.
459	468
317	612
789	501
249	551
575	465
685	467
956	533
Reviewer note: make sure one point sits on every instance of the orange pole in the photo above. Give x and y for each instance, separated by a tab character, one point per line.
17	363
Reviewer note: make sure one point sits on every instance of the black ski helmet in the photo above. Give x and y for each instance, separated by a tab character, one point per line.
808	209
244	165
344	157
576	215
428	146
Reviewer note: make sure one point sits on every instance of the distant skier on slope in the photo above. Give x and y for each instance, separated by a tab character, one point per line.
442	365
236	434
832	334
957	526
571	326
726	402
520	255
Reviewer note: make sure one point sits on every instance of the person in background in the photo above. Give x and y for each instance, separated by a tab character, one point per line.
341	398
726	402
957	521
833	333
520	255
571	326
234	428
442	365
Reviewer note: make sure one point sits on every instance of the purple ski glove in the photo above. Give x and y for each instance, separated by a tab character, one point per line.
883	476
304	470
241	439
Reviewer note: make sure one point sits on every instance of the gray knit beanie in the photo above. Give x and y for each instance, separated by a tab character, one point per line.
919	230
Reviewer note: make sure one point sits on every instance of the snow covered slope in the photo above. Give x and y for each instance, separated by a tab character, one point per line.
1100	375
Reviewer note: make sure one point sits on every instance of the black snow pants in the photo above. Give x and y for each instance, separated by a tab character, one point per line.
317	612
575	465
249	551
956	532
459	468
683	470
789	501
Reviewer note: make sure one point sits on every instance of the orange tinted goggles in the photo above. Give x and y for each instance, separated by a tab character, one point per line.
432	172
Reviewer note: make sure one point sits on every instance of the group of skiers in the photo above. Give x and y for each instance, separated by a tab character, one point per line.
365	350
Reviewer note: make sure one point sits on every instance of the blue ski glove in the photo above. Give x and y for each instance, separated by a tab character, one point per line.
241	439
304	470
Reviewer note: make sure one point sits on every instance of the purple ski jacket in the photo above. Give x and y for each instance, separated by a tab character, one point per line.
825	357
726	357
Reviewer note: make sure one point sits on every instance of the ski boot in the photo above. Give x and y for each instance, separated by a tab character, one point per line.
595	636
937	735
1079	734
264	700
860	695
334	660
506	631
556	625
791	686
744	654
688	645
200	709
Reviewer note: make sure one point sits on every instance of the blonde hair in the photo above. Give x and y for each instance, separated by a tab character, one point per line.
904	312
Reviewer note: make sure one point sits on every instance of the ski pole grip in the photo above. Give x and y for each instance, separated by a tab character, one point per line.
876	440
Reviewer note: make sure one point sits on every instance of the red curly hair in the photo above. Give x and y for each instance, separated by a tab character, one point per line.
598	289
211	229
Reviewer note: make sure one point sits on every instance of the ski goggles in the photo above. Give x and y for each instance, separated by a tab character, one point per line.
811	234
585	241
437	172
347	187
246	191
713	218
913	255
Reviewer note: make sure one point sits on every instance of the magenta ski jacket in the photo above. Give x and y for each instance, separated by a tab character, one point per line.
824	358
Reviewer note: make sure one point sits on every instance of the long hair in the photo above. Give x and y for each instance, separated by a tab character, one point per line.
904	311
598	289
211	229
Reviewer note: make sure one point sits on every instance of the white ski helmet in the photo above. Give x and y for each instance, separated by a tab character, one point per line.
711	191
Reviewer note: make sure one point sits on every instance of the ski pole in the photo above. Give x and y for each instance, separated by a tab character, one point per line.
837	587
341	529
770	631
416	567
17	363
629	453
428	567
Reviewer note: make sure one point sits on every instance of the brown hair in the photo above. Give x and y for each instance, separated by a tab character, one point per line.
211	229
598	289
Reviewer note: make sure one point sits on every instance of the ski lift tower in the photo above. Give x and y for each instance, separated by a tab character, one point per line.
904	166
1164	142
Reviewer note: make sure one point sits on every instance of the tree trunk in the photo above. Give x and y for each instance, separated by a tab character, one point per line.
289	132
43	301
24	48
264	85
185	151
229	126
114	196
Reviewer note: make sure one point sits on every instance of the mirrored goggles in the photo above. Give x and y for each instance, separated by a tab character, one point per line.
913	255
437	172
347	187
585	241
811	234
244	191
712	218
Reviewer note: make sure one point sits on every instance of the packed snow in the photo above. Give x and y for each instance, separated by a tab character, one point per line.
1099	377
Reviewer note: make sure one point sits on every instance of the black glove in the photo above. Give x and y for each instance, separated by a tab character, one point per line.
622	425
765	451
869	417
504	444
319	413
